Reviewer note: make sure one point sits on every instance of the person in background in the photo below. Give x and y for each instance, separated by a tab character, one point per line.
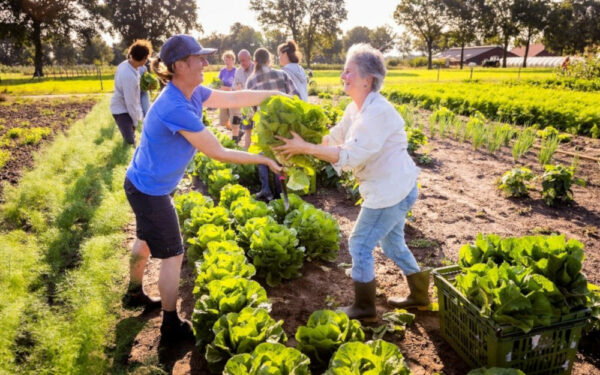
125	104
289	57
371	141
226	76
172	132
239	83
265	78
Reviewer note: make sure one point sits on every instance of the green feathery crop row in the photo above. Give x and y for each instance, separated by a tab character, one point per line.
61	252
574	112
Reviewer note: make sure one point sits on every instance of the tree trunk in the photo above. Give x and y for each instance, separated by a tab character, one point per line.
37	41
429	54
308	52
505	51
527	48
462	54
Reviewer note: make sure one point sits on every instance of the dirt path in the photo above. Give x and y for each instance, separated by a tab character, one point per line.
457	200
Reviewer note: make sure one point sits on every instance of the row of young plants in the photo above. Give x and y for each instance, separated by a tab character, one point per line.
62	252
527	282
573	112
231	315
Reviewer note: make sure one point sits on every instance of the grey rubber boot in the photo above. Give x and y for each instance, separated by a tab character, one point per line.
418	283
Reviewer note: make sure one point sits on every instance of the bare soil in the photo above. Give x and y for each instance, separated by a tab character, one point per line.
458	199
53	113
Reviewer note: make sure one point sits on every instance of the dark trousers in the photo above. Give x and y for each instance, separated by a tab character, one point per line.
126	127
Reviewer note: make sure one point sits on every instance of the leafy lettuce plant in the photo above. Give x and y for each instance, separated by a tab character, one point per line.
202	215
556	184
219	266
237	333
278	208
325	332
222	297
207	233
279	116
372	358
245	232
317	231
218	179
275	253
231	193
268	358
514	182
184	203
496	371
244	209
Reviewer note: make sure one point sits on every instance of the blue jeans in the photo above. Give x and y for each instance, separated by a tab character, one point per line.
145	101
385	226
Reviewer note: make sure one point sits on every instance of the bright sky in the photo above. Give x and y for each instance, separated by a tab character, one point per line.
220	15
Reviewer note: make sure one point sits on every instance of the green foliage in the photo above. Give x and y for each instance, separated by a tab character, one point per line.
556	184
221	297
524	281
247	230
275	253
206	234
549	147
478	131
523	143
184	203
278	208
396	322
237	333
325	332
149	82
514	182
375	357
218	179
269	358
593	302
4	157
333	113
231	193
416	139
278	116
317	231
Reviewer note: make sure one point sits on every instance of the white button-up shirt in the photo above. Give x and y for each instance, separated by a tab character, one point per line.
373	144
126	98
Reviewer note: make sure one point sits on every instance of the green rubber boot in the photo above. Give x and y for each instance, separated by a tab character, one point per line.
418	283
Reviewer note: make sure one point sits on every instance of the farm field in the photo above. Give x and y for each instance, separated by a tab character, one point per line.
458	199
27	124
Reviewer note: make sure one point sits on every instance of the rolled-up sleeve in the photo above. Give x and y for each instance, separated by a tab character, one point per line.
370	133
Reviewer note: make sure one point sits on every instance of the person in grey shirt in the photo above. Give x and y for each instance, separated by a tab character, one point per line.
289	57
239	83
125	104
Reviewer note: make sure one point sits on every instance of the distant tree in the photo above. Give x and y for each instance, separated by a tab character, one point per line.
423	18
273	38
97	51
404	44
119	49
312	23
64	50
572	26
500	16
358	34
382	38
463	23
531	17
218	41
242	36
152	20
332	53
35	21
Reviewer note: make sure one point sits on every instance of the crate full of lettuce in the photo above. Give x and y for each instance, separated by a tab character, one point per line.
518	302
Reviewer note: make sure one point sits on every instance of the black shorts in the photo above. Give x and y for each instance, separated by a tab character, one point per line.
156	222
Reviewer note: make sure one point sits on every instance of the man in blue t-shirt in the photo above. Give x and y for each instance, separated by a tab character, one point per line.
172	132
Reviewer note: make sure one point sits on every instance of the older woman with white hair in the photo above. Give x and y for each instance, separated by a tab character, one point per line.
371	141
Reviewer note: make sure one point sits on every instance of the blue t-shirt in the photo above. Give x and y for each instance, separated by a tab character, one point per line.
227	76
159	162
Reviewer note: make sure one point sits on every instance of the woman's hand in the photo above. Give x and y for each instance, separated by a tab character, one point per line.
293	146
272	164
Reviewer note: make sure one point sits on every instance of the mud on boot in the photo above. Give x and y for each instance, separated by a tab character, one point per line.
364	307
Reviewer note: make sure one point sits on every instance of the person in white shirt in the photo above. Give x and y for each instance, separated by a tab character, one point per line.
371	141
289	57
239	83
125	104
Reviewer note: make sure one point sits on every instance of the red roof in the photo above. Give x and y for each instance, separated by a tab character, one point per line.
534	50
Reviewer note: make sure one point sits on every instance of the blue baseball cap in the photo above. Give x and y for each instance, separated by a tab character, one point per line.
179	46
